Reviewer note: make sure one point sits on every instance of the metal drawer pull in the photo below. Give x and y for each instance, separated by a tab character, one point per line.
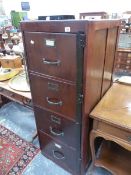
56	132
53	103
58	155
129	138
57	62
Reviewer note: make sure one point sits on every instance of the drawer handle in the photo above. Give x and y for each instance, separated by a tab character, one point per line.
57	62
58	155
53	103
56	132
129	138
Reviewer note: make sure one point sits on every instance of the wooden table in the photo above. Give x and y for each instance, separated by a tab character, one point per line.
112	121
23	98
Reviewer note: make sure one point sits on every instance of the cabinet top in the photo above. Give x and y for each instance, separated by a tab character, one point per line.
68	25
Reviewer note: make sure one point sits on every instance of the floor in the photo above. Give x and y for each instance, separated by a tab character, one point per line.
21	121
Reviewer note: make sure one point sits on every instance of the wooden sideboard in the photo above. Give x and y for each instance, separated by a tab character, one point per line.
70	67
112	121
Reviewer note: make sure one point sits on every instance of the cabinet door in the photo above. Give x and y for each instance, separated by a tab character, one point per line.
52	53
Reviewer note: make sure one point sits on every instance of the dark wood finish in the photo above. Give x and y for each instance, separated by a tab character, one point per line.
112	122
103	15
52	26
39	61
85	48
65	156
53	95
58	127
123	61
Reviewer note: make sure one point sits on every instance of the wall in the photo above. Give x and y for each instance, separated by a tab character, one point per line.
2	12
52	7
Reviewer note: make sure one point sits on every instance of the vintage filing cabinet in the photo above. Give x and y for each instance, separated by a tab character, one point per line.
70	67
123	61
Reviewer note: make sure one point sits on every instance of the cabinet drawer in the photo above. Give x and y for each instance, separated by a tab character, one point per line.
59	153
123	66
123	61
121	54
54	95
124	54
122	134
52	54
59	128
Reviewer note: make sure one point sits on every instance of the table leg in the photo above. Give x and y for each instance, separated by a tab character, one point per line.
92	145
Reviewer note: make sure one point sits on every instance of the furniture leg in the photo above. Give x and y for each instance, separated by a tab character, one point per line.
92	146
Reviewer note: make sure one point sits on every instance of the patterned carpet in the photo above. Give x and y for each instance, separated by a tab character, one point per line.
15	153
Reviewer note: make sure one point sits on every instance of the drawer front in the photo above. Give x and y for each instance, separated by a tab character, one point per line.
61	154
124	55
122	134
117	70
57	127
123	66
123	61
52	54
54	95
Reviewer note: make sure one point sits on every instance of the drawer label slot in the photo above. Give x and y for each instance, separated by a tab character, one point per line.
50	42
53	86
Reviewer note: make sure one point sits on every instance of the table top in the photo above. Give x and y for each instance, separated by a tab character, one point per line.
115	107
4	84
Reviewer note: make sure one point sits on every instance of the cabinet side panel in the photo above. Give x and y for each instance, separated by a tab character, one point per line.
109	58
94	67
93	73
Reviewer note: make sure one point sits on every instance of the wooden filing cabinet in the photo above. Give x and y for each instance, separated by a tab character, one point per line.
70	67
